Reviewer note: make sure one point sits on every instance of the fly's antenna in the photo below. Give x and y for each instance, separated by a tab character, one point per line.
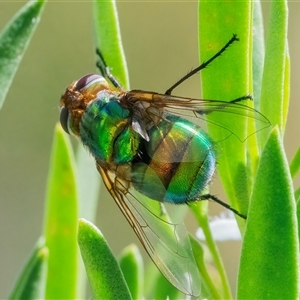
203	65
105	70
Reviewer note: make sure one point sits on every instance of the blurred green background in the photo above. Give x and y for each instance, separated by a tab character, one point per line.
160	43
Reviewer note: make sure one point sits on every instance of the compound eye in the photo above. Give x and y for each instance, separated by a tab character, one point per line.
85	81
64	119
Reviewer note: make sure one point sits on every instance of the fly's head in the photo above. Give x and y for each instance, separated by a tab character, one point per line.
75	99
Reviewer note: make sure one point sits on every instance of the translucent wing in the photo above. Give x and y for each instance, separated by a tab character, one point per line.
201	108
167	243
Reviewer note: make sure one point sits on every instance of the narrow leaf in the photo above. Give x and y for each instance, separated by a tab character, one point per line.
131	263
274	101
165	290
298	209
105	276
210	288
203	222
61	221
31	282
295	164
228	77
269	263
14	40
159	287
109	39
258	51
297	196
286	88
88	182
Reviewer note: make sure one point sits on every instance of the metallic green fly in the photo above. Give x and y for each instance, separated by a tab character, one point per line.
146	148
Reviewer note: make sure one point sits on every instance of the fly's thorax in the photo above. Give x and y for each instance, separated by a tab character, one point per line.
177	163
146	110
105	129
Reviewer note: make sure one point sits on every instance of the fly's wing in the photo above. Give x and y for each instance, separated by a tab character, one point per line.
167	243
201	108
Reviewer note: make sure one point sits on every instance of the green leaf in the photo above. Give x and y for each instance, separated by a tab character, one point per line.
258	51
286	89
105	276
61	220
159	287
227	78
163	289
109	39
131	263
88	182
31	282
297	195
275	84
295	164
14	40
269	263
202	219
298	209
209	288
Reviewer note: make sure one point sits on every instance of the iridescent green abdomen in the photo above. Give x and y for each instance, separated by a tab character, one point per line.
105	128
176	164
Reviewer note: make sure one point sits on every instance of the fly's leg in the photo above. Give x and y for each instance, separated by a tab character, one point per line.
105	70
203	65
227	206
222	106
246	97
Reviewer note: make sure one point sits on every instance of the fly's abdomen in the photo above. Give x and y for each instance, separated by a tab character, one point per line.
176	164
105	129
